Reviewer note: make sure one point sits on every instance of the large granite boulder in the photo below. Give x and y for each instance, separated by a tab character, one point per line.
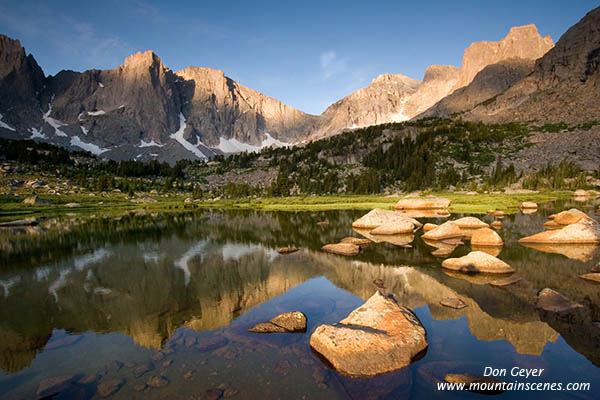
478	261
294	321
378	217
470	223
569	217
486	237
447	230
394	228
584	231
378	337
422	203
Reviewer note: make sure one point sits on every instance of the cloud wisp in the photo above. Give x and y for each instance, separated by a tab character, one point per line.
331	64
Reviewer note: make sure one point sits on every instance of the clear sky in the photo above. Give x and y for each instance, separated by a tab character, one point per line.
307	54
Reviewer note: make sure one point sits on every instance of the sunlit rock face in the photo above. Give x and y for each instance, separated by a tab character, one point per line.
562	86
141	110
380	102
522	42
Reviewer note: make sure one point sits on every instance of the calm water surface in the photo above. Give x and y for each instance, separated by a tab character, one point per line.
107	298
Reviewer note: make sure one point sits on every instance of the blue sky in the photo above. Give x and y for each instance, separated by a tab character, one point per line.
307	54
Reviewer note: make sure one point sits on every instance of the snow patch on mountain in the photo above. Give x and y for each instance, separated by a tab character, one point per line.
92	148
151	143
36	134
5	125
56	124
235	146
179	137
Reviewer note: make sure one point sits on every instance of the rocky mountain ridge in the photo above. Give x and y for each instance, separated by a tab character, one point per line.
563	86
143	110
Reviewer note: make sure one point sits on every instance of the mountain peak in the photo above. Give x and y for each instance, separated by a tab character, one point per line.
521	41
142	59
395	78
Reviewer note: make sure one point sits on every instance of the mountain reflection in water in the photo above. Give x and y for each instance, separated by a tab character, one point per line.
85	288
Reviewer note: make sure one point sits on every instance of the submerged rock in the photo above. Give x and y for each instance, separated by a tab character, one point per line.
287	250
486	237
470	223
214	394
476	383
211	343
157	381
511	280
294	321
552	301
110	387
344	249
142	369
584	231
52	386
422	203
592	277
478	261
453	302
447	230
378	337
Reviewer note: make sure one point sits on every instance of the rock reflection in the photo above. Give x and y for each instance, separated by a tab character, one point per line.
146	276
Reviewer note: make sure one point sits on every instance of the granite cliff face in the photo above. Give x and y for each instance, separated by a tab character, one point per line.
490	68
380	102
438	82
489	82
521	42
220	109
563	86
140	110
371	106
21	80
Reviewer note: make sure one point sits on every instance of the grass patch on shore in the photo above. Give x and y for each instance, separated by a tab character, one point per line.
461	203
11	207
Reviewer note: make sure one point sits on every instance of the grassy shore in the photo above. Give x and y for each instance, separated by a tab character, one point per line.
13	206
461	203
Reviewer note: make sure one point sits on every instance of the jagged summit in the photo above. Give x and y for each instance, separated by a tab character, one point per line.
143	110
398	78
142	58
563	86
522	41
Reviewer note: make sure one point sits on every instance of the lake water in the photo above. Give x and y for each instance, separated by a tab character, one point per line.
130	297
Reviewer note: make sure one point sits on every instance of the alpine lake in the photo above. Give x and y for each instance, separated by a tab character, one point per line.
157	305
